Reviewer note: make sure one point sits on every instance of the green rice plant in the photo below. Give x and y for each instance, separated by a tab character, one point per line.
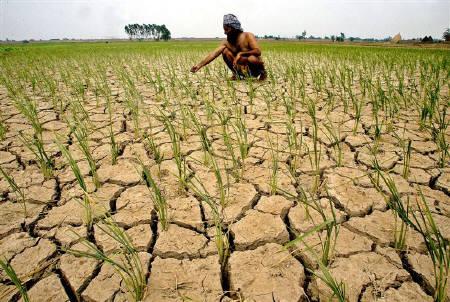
35	144
159	201
422	221
439	135
112	140
11	273
317	149
29	110
82	137
358	105
327	225
201	131
406	159
86	202
15	188
114	147
222	243
337	288
156	151
240	131
3	129
176	149
275	164
294	144
334	136
126	262
223	192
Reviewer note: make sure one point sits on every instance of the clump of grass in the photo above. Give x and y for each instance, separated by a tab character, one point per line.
11	273
16	189
128	265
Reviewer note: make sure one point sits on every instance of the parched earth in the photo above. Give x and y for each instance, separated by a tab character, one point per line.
182	263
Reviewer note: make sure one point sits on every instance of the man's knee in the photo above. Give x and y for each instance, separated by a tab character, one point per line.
254	60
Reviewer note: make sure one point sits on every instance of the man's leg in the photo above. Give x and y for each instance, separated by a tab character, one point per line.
228	57
256	66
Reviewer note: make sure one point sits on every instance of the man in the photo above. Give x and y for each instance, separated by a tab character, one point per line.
240	52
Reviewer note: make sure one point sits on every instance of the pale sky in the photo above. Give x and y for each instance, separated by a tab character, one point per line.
46	19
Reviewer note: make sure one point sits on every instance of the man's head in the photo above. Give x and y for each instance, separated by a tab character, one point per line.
232	27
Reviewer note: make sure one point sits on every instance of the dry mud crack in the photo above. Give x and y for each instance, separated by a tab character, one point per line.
245	166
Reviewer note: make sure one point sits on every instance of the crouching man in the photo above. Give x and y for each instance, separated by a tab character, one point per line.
240	52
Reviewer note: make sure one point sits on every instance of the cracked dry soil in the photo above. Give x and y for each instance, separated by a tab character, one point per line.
182	263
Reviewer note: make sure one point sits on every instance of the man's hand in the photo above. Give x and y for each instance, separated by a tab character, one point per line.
195	68
236	59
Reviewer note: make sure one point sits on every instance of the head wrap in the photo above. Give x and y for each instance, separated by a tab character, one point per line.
232	21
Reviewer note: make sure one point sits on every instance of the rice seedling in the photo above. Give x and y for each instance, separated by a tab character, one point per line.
334	136
82	137
155	150
126	262
337	288
86	202
3	129
222	243
159	201
317	148
16	189
176	149
35	144
112	140
275	165
240	131
422	221
11	273
439	135
294	144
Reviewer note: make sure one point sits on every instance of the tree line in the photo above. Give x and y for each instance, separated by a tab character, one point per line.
148	31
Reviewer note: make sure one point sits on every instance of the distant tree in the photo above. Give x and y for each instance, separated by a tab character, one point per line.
351	39
446	35
333	38
327	38
146	31
165	33
341	38
427	39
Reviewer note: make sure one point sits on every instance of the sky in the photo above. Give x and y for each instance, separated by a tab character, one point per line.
95	19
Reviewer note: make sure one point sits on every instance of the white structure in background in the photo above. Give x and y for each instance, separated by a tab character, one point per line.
396	39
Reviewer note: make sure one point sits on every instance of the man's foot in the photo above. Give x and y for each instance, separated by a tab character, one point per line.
263	75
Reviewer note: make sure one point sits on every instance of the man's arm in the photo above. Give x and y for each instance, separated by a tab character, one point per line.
209	58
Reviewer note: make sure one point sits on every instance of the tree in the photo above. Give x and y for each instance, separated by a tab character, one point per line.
165	33
333	38
446	35
146	31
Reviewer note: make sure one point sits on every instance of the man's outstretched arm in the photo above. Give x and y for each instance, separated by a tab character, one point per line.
209	58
